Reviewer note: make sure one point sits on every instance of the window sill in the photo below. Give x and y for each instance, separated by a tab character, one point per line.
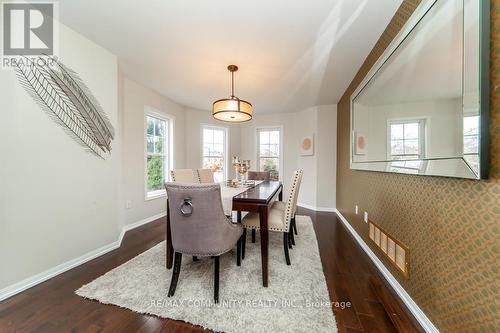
155	195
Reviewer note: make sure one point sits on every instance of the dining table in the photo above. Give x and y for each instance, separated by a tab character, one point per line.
257	198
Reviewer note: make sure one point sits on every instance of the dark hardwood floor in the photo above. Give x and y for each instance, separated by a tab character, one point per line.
54	307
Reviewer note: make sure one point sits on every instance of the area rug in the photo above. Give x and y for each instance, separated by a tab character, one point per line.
296	300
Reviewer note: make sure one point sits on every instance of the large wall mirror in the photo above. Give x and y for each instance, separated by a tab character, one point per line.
423	107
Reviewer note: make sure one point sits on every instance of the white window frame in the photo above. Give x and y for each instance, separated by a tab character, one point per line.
281	150
226	146
422	134
170	120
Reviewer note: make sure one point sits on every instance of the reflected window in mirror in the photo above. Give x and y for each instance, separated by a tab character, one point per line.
407	139
471	142
426	98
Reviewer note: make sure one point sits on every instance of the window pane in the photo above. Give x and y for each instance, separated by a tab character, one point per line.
150	125
274	137
397	147
274	150
218	150
411	130
264	137
411	146
214	151
218	136
264	150
156	172
396	131
150	144
471	145
159	127
214	163
271	165
208	136
471	125
159	143
207	149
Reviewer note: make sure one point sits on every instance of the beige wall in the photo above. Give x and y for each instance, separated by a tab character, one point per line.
57	202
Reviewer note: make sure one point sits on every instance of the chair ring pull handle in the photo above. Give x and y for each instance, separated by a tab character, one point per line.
186	207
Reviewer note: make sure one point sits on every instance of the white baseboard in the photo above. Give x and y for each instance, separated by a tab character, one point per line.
50	273
59	269
139	223
317	209
405	297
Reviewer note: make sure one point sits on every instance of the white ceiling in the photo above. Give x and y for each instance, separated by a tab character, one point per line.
292	54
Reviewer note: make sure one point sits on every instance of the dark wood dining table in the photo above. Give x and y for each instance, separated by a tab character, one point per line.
256	199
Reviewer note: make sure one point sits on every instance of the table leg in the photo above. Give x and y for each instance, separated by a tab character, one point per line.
244	238
280	195
264	243
170	250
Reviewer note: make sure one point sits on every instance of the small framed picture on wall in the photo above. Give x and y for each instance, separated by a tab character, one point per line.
307	145
360	144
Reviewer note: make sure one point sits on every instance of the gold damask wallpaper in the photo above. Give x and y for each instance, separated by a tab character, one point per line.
452	226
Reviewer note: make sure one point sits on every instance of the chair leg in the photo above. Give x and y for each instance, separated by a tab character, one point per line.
195	258
238	252
291	236
253	235
243	243
175	273
294	226
216	279
285	246
290	240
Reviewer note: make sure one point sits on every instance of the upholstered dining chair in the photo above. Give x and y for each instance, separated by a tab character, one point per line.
205	176
259	175
199	227
184	176
282	206
278	220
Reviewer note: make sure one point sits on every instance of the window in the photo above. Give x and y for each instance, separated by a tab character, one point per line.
269	151
471	142
406	143
214	155
157	154
406	139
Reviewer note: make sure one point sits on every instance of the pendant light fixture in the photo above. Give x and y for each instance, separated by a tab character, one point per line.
232	109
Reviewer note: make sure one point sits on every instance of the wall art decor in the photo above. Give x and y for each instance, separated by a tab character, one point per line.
360	144
60	92
307	145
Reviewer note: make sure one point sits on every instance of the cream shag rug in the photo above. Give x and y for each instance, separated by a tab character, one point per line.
296	300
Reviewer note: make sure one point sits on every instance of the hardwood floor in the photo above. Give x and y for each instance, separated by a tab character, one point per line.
54	307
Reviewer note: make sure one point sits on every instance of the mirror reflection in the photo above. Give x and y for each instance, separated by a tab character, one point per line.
420	112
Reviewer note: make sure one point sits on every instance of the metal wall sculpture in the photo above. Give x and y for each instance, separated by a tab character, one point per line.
69	102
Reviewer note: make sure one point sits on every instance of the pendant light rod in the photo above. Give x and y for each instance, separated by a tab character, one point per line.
232	69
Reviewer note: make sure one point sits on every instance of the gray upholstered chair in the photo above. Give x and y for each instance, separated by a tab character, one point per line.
282	206
205	176
278	220
184	176
259	175
199	227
